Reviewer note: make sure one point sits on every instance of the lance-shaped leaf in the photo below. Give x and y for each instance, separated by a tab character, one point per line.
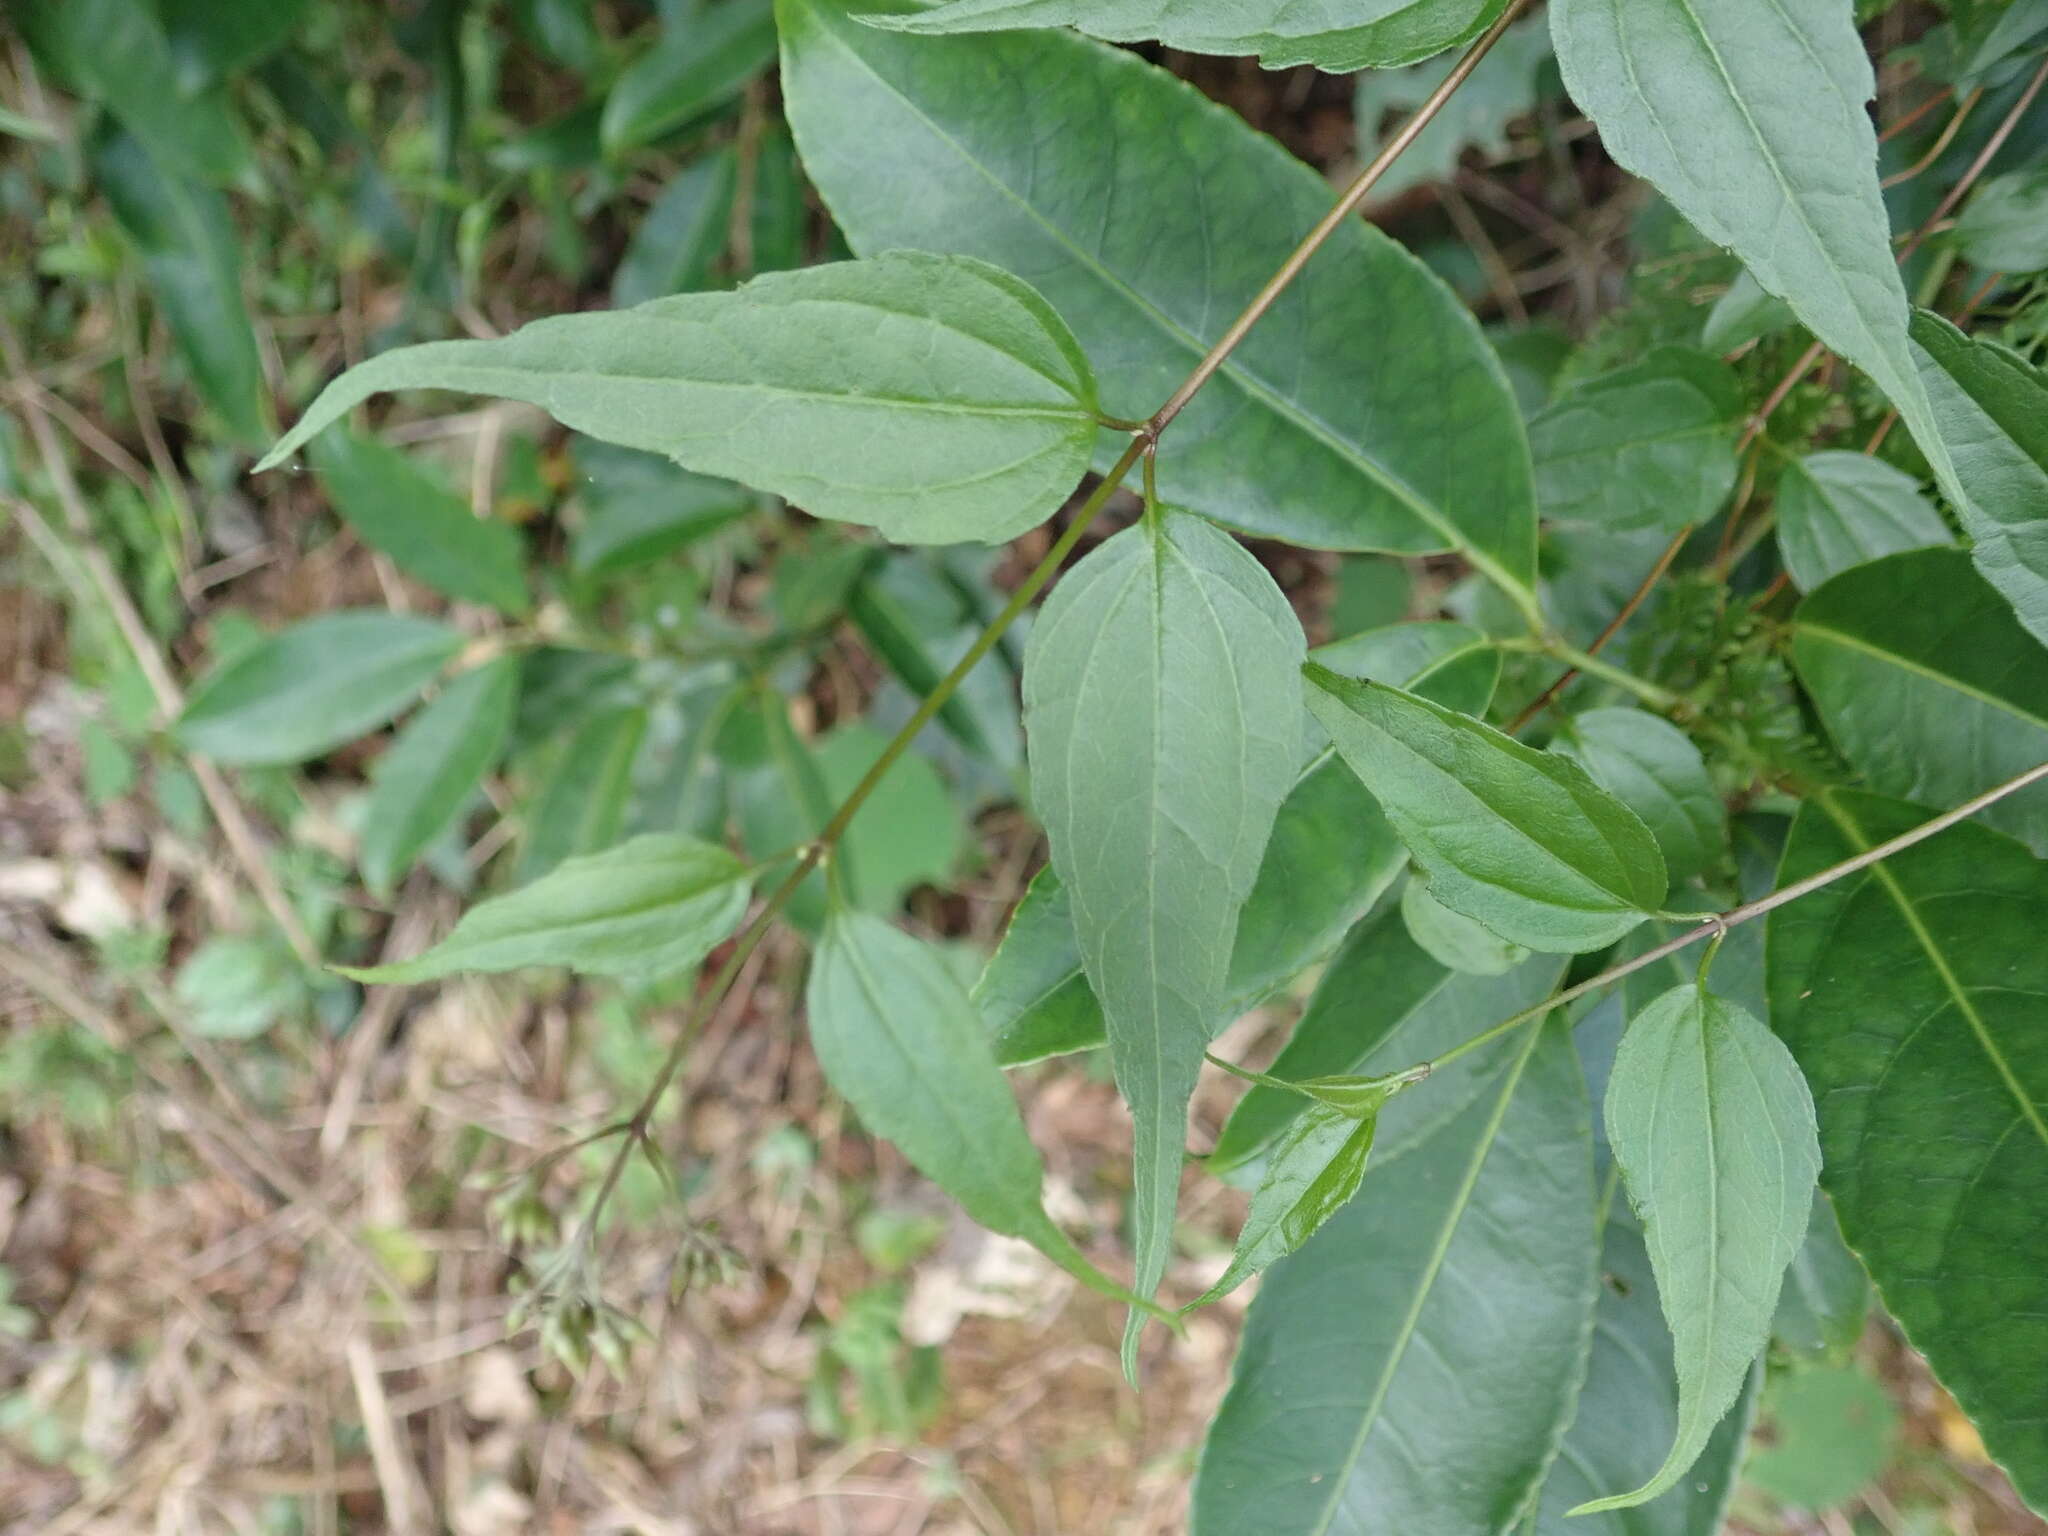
1353	1407
420	785
1330	857
1627	1413
1161	709
314	686
1651	445
704	59
1839	509
1928	684
184	232
1653	768
899	1039
1912	993
1520	840
653	906
1992	405
1337	36
581	804
936	397
1364	412
1750	116
1713	1129
1313	1170
427	530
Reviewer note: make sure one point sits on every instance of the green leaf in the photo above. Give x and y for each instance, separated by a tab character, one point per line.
1713	1129
1315	1167
916	622
213	39
1840	509
2005	225
1336	38
1743	314
1384	1005
425	778
653	906
1160	708
933	396
427	530
1352	1407
1451	938
314	686
1501	89
1750	116
1651	445
1653	768
1831	1433
1520	840
1033	994
908	833
638	508
1330	857
581	803
701	63
1927	684
185	234
780	218
1364	412
1627	1413
781	798
1993	409
234	987
682	235
1912	993
899	1039
1827	1294
116	53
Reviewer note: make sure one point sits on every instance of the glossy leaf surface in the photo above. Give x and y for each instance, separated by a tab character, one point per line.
1161	711
1712	1126
1520	840
314	686
934	397
1364	412
652	906
1927	683
1839	509
1912	994
1370	1331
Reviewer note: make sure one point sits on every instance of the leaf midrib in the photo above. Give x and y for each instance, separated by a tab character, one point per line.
1454	1216
1280	405
1965	1005
1920	669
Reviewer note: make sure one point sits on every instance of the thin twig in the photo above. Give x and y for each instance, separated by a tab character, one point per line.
1719	923
1947	138
1985	155
1628	610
